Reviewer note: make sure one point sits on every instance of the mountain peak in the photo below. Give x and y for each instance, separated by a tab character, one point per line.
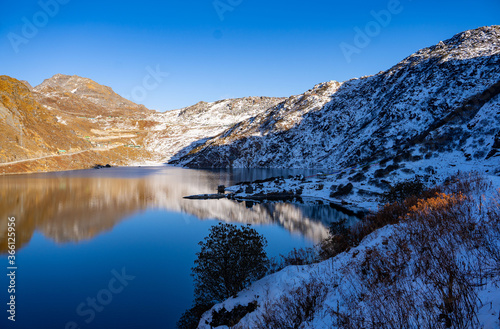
483	41
74	84
471	44
27	84
75	94
485	32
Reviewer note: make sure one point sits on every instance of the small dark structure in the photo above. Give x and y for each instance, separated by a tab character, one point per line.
99	166
221	189
249	189
206	197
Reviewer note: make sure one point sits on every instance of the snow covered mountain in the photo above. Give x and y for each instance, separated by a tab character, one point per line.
438	104
176	133
442	99
435	112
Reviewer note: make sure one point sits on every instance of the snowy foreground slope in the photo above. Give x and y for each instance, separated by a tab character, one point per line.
440	100
439	264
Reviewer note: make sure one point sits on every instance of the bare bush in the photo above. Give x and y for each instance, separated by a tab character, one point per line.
427	275
467	183
339	240
405	189
295	308
441	229
342	239
301	256
223	317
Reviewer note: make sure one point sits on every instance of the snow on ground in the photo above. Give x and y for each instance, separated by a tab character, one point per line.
61	120
320	186
340	274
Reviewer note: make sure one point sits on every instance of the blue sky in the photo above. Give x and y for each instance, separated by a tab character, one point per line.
209	50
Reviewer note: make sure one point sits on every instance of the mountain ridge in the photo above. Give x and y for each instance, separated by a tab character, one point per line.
414	94
110	129
412	109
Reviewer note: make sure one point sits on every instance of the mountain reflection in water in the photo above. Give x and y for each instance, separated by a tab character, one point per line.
77	206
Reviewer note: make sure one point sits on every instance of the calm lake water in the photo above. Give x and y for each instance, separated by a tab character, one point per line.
113	248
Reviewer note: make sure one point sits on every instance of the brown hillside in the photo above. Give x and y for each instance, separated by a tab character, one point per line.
28	129
84	97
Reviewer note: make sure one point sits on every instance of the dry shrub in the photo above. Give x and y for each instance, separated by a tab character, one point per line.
436	205
296	257
334	245
390	213
428	273
339	240
300	256
441	230
468	183
295	308
491	244
223	317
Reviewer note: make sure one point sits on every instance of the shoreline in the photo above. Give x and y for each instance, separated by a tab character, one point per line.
348	209
135	165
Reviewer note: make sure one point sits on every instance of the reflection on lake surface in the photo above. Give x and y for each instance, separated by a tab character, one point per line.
76	206
74	228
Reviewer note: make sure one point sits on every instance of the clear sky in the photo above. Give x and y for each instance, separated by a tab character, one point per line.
171	54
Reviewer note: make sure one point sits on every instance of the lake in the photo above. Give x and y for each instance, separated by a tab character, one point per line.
113	248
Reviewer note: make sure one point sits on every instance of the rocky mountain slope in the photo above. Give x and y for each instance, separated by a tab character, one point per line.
441	99
48	128
95	111
28	128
